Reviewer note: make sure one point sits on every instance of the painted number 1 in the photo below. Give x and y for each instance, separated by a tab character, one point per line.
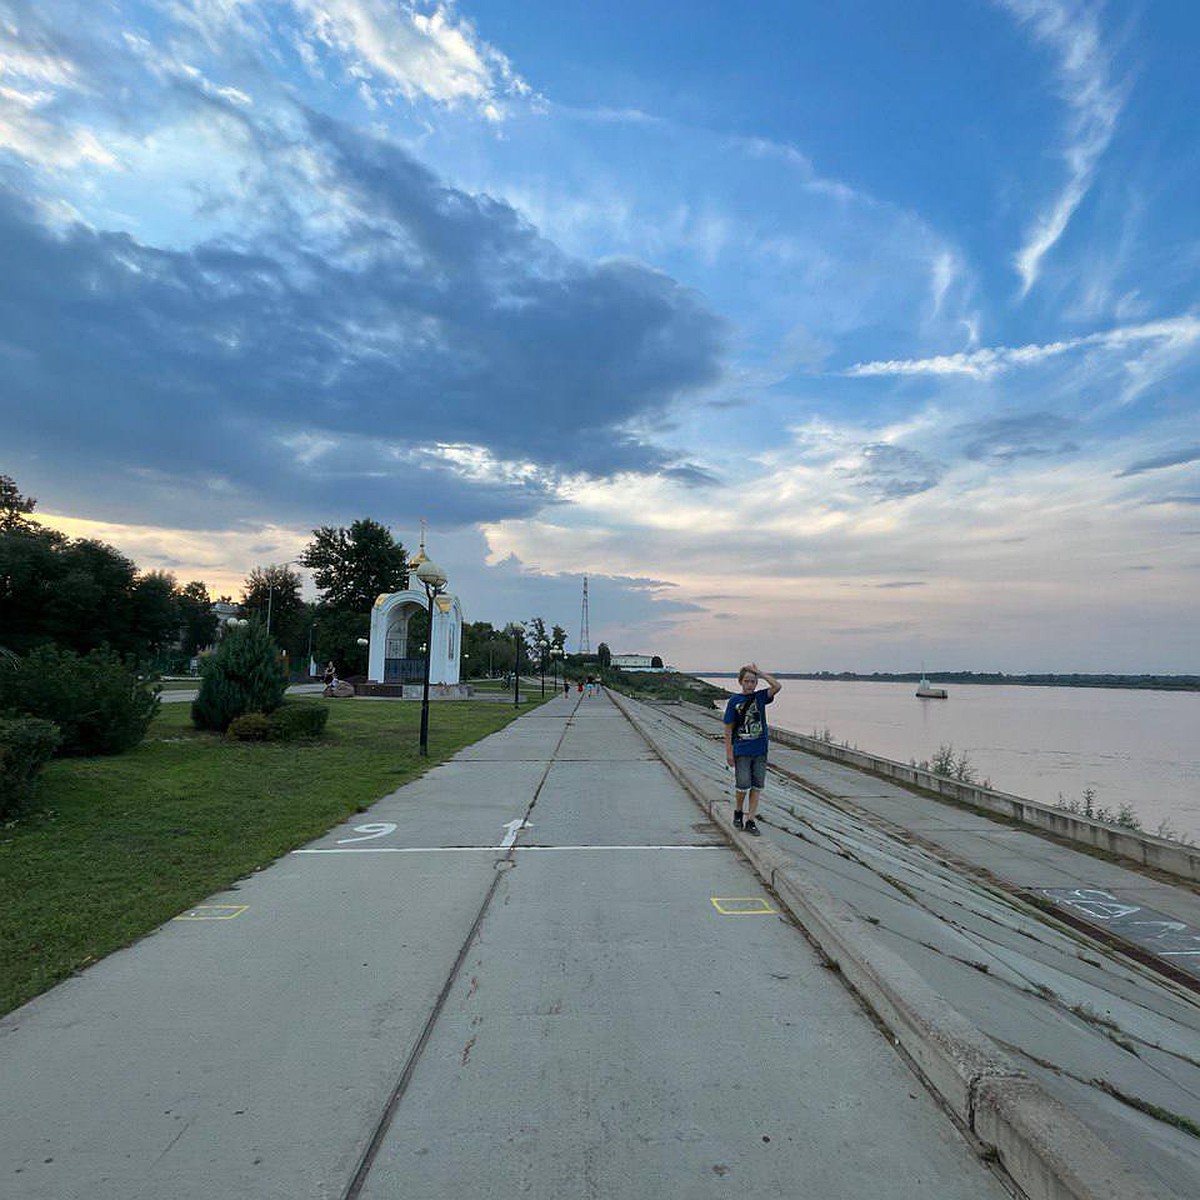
382	829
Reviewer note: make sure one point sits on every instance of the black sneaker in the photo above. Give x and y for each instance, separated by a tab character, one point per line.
752	829
737	819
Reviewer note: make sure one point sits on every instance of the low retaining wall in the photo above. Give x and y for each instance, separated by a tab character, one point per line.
1144	848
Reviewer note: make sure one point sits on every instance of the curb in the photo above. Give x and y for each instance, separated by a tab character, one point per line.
1045	1149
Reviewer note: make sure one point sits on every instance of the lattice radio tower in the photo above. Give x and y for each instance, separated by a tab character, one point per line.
585	634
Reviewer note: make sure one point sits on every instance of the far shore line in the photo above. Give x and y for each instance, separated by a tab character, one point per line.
1159	683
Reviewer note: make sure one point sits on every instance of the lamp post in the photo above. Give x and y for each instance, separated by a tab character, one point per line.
556	654
519	635
543	646
433	579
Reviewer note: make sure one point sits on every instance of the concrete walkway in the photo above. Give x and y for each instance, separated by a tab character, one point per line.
411	1006
942	888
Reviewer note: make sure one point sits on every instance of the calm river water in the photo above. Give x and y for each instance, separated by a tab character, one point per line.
1128	745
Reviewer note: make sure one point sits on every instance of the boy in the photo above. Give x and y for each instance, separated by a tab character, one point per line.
746	741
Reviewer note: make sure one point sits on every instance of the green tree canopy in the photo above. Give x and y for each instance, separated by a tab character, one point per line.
604	656
198	622
14	508
335	639
351	567
275	591
154	609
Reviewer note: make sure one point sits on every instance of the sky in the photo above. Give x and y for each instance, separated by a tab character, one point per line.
860	336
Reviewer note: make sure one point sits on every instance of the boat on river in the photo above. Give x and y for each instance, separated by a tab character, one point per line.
927	691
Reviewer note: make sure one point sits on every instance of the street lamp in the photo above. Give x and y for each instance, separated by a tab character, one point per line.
556	654
543	646
433	579
519	635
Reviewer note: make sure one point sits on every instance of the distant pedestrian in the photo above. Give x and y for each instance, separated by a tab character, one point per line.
566	687
330	673
581	687
746	742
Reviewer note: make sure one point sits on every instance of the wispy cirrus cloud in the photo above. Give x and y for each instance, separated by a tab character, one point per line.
1070	30
994	360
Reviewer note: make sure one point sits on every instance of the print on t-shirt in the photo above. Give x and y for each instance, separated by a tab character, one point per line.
752	726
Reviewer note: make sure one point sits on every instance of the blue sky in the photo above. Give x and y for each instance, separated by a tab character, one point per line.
836	336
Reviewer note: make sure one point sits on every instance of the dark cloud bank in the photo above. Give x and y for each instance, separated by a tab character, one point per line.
167	386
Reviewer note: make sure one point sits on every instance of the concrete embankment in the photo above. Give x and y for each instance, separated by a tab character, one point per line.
1070	1052
1147	850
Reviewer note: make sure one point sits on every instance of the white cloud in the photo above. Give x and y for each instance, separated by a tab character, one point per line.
25	132
31	77
1071	31
436	54
1172	335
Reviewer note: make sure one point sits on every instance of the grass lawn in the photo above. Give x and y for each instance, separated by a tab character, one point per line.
119	845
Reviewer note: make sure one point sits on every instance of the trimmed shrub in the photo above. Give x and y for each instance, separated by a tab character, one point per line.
97	701
250	727
246	674
291	722
26	745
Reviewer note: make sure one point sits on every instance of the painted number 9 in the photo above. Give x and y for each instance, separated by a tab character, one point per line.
382	829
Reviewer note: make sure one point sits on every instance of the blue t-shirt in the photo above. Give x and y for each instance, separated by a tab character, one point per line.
750	737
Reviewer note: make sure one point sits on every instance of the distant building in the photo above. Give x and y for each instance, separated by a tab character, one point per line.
633	662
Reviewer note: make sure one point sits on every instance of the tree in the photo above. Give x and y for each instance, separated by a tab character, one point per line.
14	508
486	650
154	613
29	570
353	566
604	656
196	617
246	674
273	591
536	639
336	639
90	602
656	661
558	638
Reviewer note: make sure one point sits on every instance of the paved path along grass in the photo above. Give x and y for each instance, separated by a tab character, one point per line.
411	1007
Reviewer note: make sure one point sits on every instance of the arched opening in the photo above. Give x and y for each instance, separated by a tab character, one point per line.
403	661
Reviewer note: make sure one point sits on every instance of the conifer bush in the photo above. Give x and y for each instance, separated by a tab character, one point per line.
246	674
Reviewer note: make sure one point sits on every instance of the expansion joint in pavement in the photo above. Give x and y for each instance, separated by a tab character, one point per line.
379	1132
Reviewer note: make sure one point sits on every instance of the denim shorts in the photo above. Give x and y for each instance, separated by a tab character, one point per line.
751	771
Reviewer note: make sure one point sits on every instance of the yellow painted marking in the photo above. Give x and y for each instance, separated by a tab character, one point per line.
742	906
213	912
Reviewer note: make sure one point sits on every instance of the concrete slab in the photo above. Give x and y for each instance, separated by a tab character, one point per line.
614	1034
593	802
464	802
235	1058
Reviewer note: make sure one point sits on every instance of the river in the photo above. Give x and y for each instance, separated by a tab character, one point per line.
1133	746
